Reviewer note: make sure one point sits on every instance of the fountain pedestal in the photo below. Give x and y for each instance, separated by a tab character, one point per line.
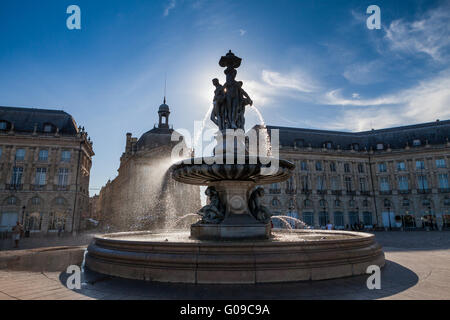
238	223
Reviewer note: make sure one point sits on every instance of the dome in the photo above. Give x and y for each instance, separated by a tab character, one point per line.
155	138
164	108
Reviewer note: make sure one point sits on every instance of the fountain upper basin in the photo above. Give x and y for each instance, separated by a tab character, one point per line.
204	171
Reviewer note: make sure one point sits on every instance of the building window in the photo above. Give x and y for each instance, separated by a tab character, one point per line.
387	203
40	176
401	166
384	184
318	166
65	156
351	203
332	166
322	203
365	203
275	202
320	183
420	164
63	177
360	168
307	203
440	163
403	184
328	145
335	184
382	167
16	178
323	218
35	201
338	219
426	203
367	218
362	184
422	182
416	142
12	201
337	203
20	154
305	184
355	146
48	128
43	155
1	153
443	181
33	221
353	218
308	218
348	184
3	125
380	146
304	166
447	201
405	202
347	167
57	221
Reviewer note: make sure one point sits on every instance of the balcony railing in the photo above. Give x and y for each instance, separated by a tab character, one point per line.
444	190
336	192
365	193
60	188
36	187
423	191
322	192
306	191
385	192
13	186
351	193
404	191
291	191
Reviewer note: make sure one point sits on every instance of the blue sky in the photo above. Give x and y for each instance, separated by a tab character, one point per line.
308	63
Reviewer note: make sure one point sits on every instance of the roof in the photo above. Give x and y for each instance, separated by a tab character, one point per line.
155	138
25	119
434	132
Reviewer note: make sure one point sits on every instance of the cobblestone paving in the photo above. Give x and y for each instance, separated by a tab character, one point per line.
418	267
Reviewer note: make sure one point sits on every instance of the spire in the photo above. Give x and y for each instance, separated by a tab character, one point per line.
165	87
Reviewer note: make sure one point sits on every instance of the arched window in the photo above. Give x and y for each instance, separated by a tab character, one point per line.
48	127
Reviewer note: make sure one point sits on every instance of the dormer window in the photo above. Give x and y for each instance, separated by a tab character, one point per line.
48	128
416	142
4	125
380	146
355	146
328	145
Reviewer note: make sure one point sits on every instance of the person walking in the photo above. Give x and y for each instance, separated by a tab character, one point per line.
329	225
17	233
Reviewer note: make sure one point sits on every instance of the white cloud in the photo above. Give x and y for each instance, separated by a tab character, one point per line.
429	35
242	32
171	5
294	81
427	101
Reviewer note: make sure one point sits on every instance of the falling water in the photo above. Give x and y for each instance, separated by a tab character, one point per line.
296	220
184	217
200	132
262	123
284	221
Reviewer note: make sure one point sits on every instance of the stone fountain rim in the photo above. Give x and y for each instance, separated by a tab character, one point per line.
286	163
357	236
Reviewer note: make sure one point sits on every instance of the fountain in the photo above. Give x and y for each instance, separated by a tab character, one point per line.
233	242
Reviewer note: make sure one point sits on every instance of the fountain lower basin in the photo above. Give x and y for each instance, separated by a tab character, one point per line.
293	255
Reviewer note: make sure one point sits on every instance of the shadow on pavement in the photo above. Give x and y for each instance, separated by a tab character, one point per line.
394	279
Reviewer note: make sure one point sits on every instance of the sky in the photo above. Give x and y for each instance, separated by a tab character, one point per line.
309	64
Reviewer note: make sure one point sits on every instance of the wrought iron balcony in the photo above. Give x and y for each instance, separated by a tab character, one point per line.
36	187
336	192
444	190
365	193
291	191
322	191
404	191
423	191
385	192
13	186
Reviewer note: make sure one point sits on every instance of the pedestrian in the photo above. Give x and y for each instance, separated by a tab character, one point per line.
60	228
329	225
17	233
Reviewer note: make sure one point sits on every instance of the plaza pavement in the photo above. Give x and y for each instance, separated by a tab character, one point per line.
418	267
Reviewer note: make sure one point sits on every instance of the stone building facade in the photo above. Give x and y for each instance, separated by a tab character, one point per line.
143	196
45	163
391	178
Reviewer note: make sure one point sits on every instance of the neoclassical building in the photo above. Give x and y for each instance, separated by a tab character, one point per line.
392	178
45	163
143	196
